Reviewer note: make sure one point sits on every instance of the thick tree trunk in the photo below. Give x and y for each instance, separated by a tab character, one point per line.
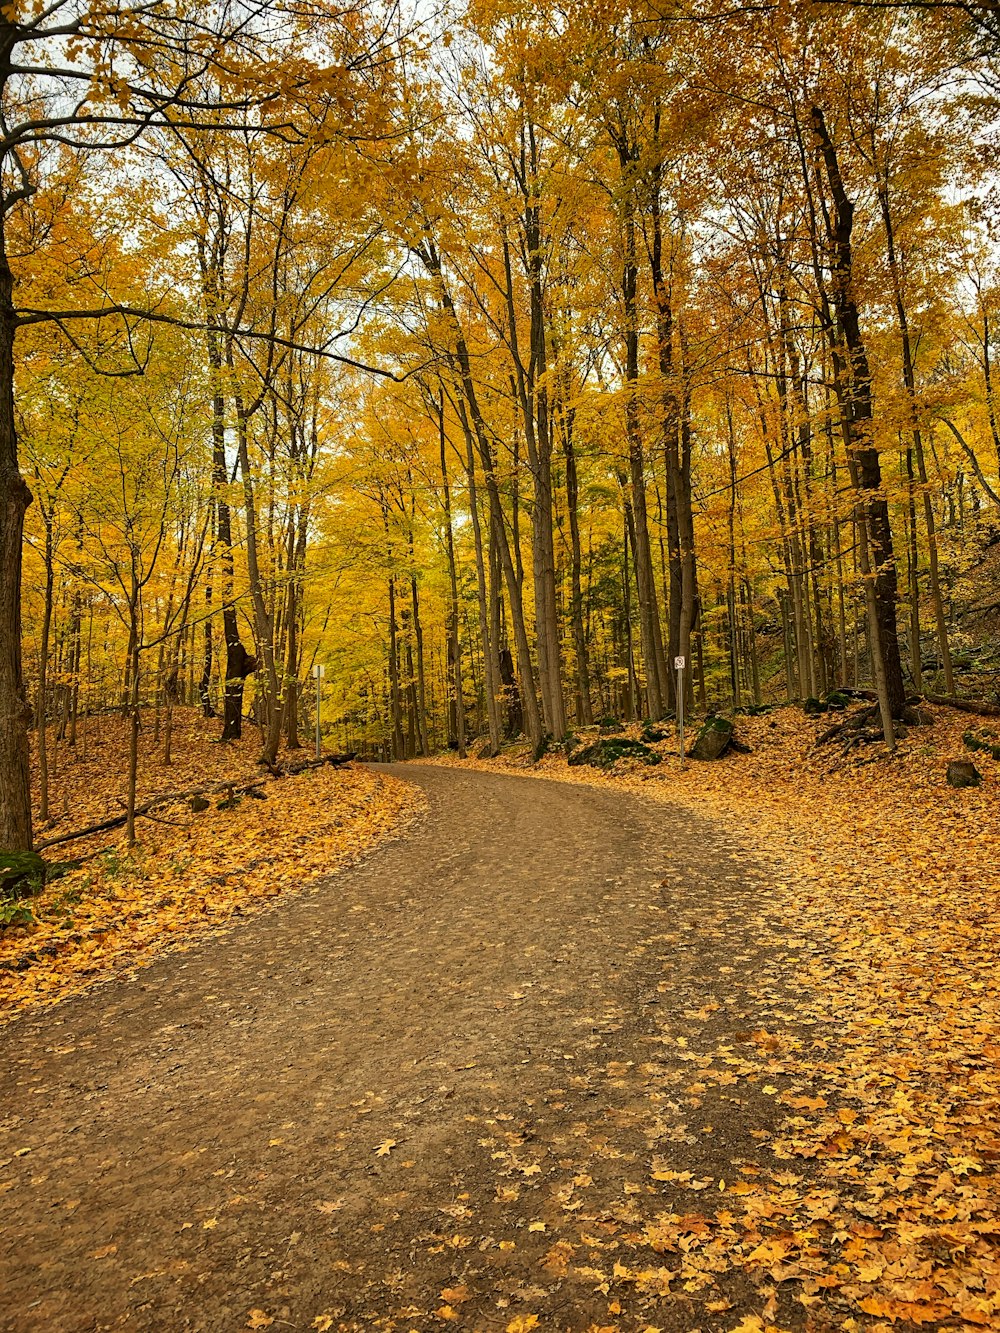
862	454
15	711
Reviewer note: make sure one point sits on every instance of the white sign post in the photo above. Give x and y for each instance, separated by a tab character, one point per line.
319	671
679	664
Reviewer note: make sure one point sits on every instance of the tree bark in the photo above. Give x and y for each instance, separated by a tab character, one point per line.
456	710
877	541
15	710
649	615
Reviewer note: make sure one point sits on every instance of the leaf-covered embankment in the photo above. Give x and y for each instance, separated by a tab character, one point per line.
889	901
191	871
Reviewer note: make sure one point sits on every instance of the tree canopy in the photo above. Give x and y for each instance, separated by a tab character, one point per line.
498	360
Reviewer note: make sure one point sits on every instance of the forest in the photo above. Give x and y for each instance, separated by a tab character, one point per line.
412	419
494	360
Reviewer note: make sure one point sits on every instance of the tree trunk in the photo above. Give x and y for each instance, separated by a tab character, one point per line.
455	690
584	710
487	595
42	704
909	381
262	619
239	663
532	394
529	699
15	711
863	457
395	701
649	615
133	729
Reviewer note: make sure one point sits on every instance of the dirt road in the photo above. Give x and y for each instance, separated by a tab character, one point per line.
430	1093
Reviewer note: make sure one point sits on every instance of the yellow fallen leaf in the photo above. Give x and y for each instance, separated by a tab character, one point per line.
385	1148
259	1319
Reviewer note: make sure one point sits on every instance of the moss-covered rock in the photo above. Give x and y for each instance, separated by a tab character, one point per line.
713	739
963	773
652	732
974	742
606	753
21	874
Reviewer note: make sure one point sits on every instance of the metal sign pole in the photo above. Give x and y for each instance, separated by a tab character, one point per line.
679	663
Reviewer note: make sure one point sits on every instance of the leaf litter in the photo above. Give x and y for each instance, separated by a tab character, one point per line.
881	1208
189	872
864	1194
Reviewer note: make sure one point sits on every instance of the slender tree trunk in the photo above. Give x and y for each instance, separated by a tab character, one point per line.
649	614
487	595
670	416
685	532
913	575
239	663
134	722
420	681
532	395
584	710
631	700
529	699
42	705
395	700
264	625
455	691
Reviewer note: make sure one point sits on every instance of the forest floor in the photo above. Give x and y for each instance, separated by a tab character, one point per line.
190	872
711	1050
885	882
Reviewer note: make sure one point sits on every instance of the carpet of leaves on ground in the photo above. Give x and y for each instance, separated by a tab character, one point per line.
189	871
882	1208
